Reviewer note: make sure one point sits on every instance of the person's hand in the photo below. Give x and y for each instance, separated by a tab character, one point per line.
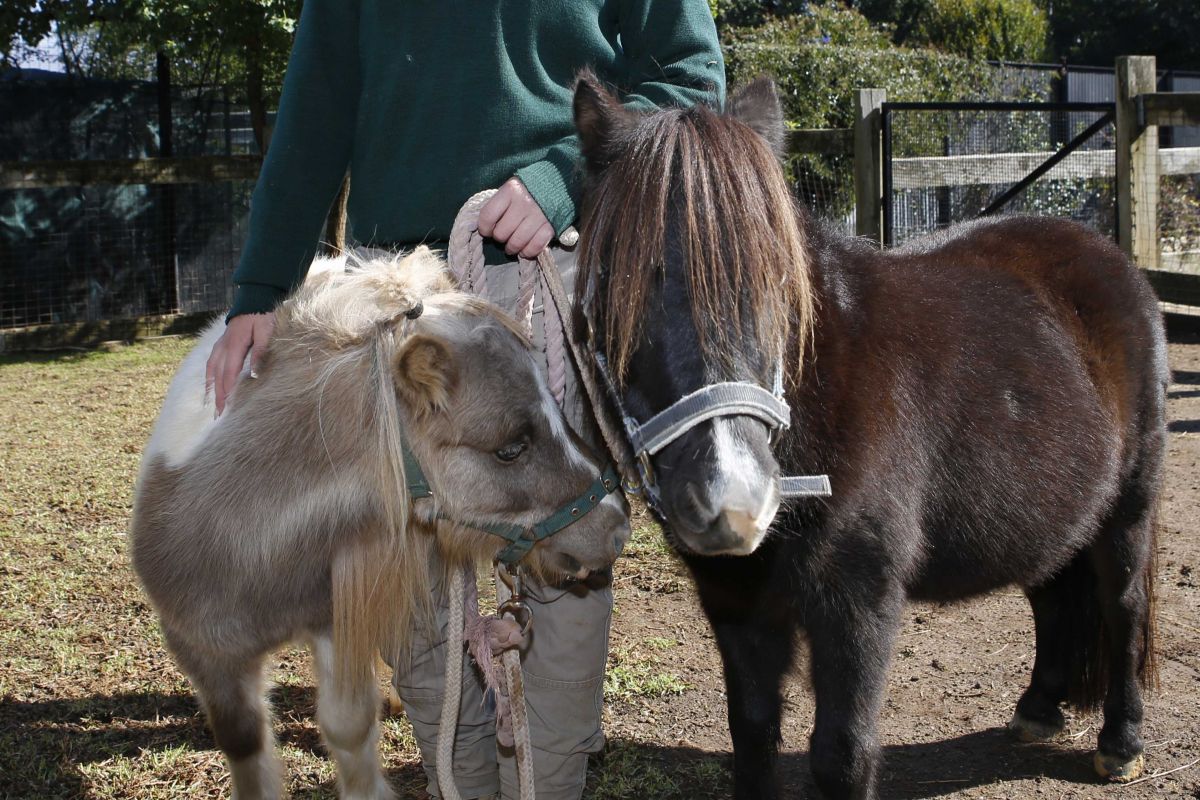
513	218
245	333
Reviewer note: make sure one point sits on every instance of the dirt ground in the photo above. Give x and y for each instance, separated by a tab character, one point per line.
957	672
92	706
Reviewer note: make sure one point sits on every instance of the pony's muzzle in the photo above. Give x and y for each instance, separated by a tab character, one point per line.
733	526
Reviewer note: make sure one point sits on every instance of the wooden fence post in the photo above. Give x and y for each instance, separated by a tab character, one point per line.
868	163
1137	164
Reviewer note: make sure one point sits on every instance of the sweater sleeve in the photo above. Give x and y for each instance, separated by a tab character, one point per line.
308	157
673	59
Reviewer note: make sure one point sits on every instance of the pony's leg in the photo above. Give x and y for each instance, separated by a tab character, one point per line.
231	690
349	720
755	629
1122	558
756	655
851	641
1038	717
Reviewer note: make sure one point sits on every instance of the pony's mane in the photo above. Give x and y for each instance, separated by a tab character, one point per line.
736	226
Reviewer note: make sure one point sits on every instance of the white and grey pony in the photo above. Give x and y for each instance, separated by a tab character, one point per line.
289	517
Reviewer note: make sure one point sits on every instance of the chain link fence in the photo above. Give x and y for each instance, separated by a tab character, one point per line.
824	184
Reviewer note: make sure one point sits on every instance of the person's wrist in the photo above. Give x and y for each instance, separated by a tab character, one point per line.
255	298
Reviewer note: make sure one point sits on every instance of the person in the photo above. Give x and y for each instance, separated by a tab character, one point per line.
424	104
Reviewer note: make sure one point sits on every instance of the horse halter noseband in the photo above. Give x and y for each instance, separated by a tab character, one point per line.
724	399
520	538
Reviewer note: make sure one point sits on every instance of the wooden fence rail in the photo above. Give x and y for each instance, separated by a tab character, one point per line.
973	170
57	174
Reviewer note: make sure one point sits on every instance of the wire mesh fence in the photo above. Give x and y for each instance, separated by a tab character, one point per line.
1179	222
86	254
120	248
824	184
66	119
953	161
112	247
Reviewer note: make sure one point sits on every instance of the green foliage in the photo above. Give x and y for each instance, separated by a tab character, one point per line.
1010	30
1097	31
819	23
209	41
742	13
818	82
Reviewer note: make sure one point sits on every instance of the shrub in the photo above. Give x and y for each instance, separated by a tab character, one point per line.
1010	30
818	83
820	23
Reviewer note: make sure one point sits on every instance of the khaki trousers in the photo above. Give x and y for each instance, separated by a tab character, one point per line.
563	663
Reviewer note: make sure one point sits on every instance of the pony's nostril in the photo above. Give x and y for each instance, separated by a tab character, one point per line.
698	504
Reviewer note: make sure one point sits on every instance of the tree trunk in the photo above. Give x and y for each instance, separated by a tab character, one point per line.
254	92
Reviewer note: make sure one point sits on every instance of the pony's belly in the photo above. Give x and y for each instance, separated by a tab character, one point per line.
972	560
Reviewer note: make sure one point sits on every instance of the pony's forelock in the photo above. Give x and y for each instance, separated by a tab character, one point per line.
737	227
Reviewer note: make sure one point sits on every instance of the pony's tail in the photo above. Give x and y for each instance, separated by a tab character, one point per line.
1085	640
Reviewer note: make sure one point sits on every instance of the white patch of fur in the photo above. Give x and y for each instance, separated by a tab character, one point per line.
749	500
558	428
189	411
351	731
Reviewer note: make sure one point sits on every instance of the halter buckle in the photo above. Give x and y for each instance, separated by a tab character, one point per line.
648	480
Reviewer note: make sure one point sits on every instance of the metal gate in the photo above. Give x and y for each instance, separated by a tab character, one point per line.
949	162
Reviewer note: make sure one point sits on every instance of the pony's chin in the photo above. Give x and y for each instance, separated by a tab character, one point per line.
556	569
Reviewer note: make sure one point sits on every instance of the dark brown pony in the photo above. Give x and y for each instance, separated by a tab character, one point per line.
987	402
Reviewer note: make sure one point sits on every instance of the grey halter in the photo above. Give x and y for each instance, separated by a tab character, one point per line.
732	398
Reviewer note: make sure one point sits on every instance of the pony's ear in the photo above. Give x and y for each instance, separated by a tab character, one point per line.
600	119
425	374
757	106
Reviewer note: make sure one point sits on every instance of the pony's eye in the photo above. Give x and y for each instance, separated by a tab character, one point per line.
511	452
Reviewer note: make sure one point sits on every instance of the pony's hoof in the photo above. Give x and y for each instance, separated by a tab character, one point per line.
1112	768
1032	730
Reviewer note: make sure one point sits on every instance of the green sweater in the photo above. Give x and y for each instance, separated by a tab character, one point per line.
428	101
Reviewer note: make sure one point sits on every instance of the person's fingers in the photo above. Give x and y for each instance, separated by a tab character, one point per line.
264	327
538	242
522	235
507	225
494	209
235	357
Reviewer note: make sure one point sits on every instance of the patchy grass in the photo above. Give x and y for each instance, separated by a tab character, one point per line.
628	677
631	769
91	704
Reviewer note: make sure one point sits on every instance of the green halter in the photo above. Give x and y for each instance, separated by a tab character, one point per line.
520	539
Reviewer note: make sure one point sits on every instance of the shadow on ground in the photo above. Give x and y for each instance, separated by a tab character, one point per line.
44	744
910	772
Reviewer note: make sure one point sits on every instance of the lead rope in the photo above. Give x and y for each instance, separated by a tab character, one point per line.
486	637
465	255
452	697
466	261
